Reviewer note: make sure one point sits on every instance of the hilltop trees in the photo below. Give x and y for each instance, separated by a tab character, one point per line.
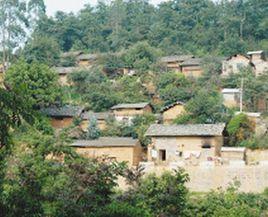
40	82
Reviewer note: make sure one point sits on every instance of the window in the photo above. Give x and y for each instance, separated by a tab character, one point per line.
162	155
206	146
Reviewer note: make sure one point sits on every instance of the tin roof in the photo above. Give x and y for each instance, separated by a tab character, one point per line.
255	52
160	130
230	90
107	142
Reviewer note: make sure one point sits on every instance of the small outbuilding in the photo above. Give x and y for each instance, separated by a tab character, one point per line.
62	117
231	97
172	111
173	63
126	112
121	149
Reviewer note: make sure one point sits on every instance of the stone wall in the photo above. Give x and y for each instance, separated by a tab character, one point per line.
206	177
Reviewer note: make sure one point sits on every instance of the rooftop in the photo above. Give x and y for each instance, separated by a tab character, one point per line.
172	105
87	57
98	115
107	142
71	53
192	62
176	58
160	130
131	105
255	52
65	111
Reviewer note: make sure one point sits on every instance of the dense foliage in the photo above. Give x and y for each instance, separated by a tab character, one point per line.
198	27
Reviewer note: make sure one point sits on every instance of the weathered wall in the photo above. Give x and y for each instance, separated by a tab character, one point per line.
172	146
132	112
171	114
61	123
194	71
234	64
132	155
100	123
255	156
205	178
63	80
231	100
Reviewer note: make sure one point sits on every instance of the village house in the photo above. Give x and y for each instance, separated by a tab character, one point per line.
100	117
190	143
173	63
192	67
172	111
62	117
259	61
121	149
87	60
231	97
126	112
234	64
63	73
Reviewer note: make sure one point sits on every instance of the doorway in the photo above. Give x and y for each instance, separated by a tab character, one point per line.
162	155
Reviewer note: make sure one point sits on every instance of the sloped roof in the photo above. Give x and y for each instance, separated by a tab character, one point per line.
65	111
192	62
255	52
172	105
87	57
160	130
175	58
97	115
131	105
107	142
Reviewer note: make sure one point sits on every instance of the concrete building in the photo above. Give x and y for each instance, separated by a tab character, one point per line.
192	67
126	112
231	97
121	149
62	117
172	111
193	142
101	118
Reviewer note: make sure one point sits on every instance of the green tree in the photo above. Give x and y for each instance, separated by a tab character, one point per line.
92	132
43	50
240	129
41	83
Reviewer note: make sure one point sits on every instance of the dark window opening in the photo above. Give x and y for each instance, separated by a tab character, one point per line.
208	146
162	155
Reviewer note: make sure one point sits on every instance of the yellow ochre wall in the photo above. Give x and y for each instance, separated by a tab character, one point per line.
61	123
171	114
132	155
132	112
194	71
101	124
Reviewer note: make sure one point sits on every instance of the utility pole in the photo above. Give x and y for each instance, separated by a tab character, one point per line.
241	94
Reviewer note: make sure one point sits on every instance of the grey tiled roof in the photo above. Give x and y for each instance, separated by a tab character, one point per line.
97	115
192	62
160	130
71	53
107	142
175	58
65	111
172	105
131	105
87	57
